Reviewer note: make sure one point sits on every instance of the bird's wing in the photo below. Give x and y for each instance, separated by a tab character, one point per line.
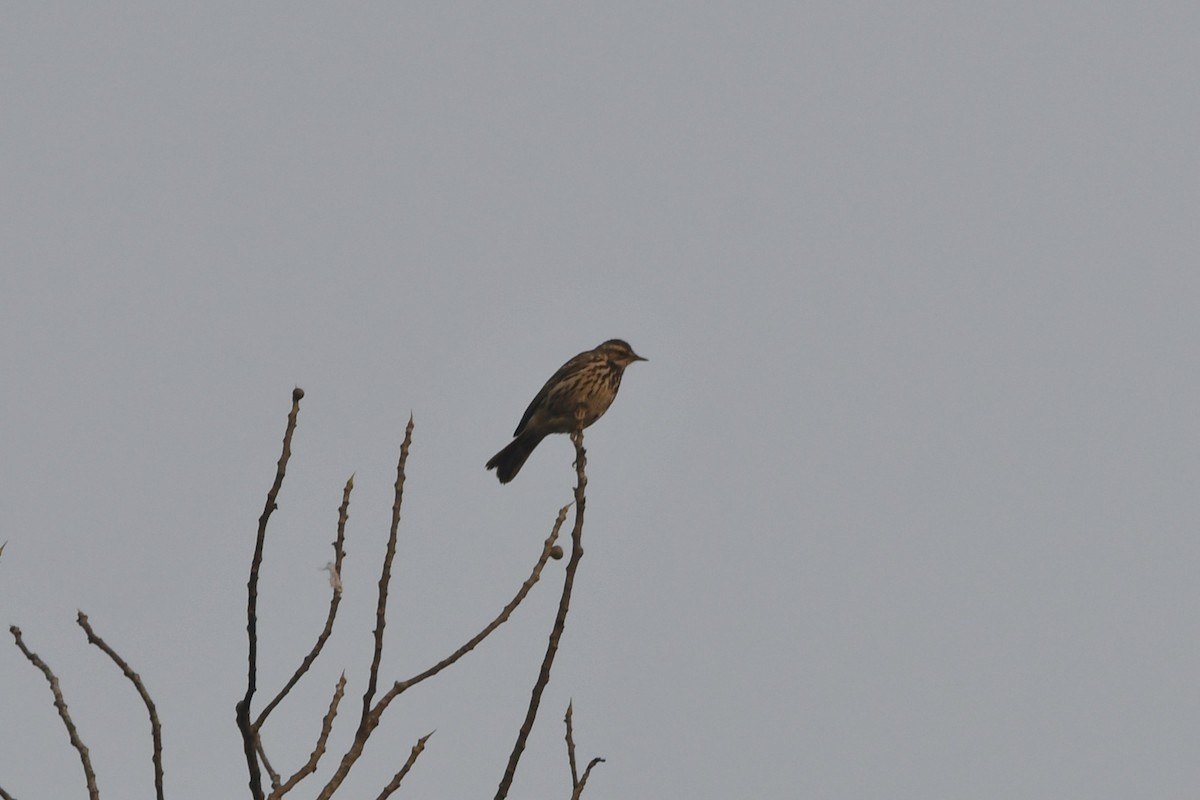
574	365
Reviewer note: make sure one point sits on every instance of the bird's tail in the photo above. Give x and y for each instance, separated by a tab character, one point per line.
508	462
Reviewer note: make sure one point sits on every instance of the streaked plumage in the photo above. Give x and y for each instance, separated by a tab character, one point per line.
575	396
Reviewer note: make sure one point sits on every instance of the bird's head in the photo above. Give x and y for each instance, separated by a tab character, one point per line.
619	352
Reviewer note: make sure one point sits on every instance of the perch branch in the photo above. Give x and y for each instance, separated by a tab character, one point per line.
560	619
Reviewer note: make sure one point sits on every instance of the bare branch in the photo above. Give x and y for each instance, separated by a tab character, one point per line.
394	783
583	781
310	766
385	578
155	725
501	618
577	783
339	554
3	794
571	744
61	705
249	735
276	781
399	687
560	620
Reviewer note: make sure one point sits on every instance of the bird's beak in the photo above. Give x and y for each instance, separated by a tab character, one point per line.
636	357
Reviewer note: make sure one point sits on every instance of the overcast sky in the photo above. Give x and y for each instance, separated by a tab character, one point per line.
902	505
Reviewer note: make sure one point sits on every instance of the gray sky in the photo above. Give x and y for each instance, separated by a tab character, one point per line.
901	506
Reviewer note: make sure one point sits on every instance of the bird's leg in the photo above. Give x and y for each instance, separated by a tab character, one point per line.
577	433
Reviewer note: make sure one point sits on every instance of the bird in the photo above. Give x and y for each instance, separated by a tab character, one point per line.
574	397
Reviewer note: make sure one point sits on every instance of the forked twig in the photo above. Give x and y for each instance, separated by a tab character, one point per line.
578	791
136	680
577	783
339	555
61	704
272	773
386	577
310	766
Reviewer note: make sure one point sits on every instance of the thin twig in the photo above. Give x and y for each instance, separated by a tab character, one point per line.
334	601
501	618
155	725
276	781
3	794
571	744
400	687
249	735
578	791
61	705
577	783
394	783
310	766
386	577
560	619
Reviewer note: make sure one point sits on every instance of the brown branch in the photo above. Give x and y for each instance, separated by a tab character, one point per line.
571	744
338	555
575	795
385	579
3	794
394	783
249	735
547	552
398	688
136	680
560	619
266	762
61	705
577	783
310	766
